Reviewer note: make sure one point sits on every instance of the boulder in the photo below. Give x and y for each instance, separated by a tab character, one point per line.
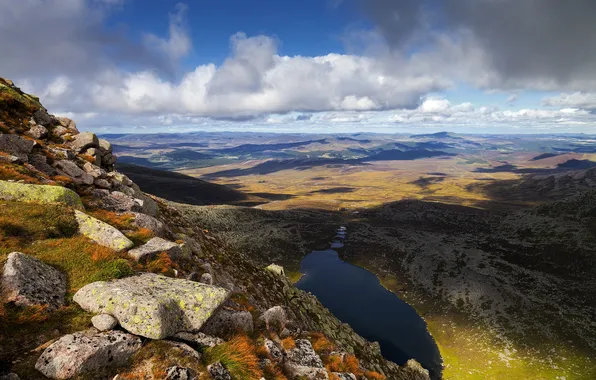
68	124
92	152
102	233
84	141
277	269
198	338
119	178
218	371
114	201
27	281
72	170
181	373
182	349
41	117
153	247
303	362
10	376
16	146
274	319
153	306
275	351
148	205
40	162
104	322
87	351
102	183
37	132
150	223
226	323
59	131
94	170
206	278
39	193
108	159
105	145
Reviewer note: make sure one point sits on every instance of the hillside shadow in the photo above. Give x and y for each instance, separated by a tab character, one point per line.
334	190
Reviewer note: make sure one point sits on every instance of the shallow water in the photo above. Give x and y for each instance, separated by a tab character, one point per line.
355	296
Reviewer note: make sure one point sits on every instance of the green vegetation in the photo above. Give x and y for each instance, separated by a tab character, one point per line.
238	356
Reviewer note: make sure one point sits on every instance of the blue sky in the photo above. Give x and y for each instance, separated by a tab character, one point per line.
313	66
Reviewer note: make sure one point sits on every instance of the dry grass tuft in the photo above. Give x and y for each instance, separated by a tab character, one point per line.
238	356
120	221
162	264
372	375
320	343
288	343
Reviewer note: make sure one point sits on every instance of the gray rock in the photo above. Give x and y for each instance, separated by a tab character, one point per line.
10	376
149	206
62	153
303	354
84	141
27	281
108	159
218	371
68	124
277	269
72	170
275	351
226	323
345	376
39	193
104	322
198	338
11	160
151	305
59	131
94	170
274	319
150	223
105	145
37	132
183	349
95	154
102	183
40	162
181	373
42	117
102	233
120	178
16	146
114	201
206	278
154	247
86	351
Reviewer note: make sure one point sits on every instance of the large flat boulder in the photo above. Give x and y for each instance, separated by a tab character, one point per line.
39	193
27	281
84	141
154	247
85	352
102	233
153	306
72	170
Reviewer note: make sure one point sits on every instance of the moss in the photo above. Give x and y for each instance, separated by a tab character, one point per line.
39	193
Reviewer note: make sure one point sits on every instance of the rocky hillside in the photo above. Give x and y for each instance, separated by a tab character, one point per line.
101	281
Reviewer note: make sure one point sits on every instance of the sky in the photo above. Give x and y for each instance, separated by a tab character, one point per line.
324	66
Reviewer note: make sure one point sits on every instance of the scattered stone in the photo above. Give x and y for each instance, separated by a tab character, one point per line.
150	223
180	373
40	162
153	247
304	355
102	183
59	131
104	322
69	124
27	281
274	319
226	323
277	269
84	141
16	146
42	117
94	170
345	376
72	170
206	278
37	132
183	349
275	351
198	338
39	193
102	233
114	201
153	306
218	371
87	351
120	178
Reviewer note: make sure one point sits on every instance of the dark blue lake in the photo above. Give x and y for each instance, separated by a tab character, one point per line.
355	296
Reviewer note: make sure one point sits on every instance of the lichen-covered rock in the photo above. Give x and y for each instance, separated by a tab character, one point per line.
226	323
303	354
274	319
16	146
86	351
102	233
181	373
206	278
39	193
27	281
104	322
150	223
153	247
415	371
72	170
277	269
83	141
275	351
153	306
218	371
38	132
198	338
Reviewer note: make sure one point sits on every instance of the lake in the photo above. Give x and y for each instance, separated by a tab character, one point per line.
355	296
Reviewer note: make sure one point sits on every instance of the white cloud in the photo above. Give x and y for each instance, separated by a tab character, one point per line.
178	44
573	100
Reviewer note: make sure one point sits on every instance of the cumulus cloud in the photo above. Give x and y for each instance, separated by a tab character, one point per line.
178	44
573	100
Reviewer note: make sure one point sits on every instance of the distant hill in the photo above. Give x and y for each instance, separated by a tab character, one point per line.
186	155
181	188
398	155
438	135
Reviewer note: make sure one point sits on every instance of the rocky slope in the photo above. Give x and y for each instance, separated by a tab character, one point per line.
101	281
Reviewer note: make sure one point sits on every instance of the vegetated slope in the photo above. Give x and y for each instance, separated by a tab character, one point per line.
182	188
528	277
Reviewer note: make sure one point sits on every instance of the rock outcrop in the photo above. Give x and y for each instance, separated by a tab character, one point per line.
102	233
303	361
27	281
86	351
153	247
153	306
